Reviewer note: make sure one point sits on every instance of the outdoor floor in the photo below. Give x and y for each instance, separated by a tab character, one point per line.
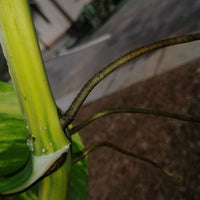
137	23
171	143
166	80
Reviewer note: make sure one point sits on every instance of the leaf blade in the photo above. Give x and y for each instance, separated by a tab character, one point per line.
78	185
14	152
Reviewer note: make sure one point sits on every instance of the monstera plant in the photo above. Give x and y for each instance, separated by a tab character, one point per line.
41	154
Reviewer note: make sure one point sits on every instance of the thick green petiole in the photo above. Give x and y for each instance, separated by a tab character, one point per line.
29	78
46	138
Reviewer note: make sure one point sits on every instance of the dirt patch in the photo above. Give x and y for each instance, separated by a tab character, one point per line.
174	144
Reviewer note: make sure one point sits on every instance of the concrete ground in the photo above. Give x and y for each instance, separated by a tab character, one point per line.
137	23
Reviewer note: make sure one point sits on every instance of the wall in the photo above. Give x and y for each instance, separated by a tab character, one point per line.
60	14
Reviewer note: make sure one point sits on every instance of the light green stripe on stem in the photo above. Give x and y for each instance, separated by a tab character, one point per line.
21	49
57	183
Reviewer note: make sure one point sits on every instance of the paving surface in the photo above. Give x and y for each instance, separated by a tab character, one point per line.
172	143
137	23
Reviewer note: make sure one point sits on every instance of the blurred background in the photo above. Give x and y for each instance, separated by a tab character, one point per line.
80	37
61	24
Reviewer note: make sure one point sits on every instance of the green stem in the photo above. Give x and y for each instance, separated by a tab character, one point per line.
46	137
132	110
87	88
26	67
127	153
55	186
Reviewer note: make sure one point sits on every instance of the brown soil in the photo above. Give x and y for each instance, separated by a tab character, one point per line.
174	144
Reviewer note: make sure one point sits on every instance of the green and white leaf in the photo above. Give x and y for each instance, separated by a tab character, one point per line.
14	152
78	187
31	194
19	168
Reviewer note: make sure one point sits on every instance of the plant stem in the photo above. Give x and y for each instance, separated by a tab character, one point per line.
87	88
127	153
26	67
56	185
46	137
132	110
